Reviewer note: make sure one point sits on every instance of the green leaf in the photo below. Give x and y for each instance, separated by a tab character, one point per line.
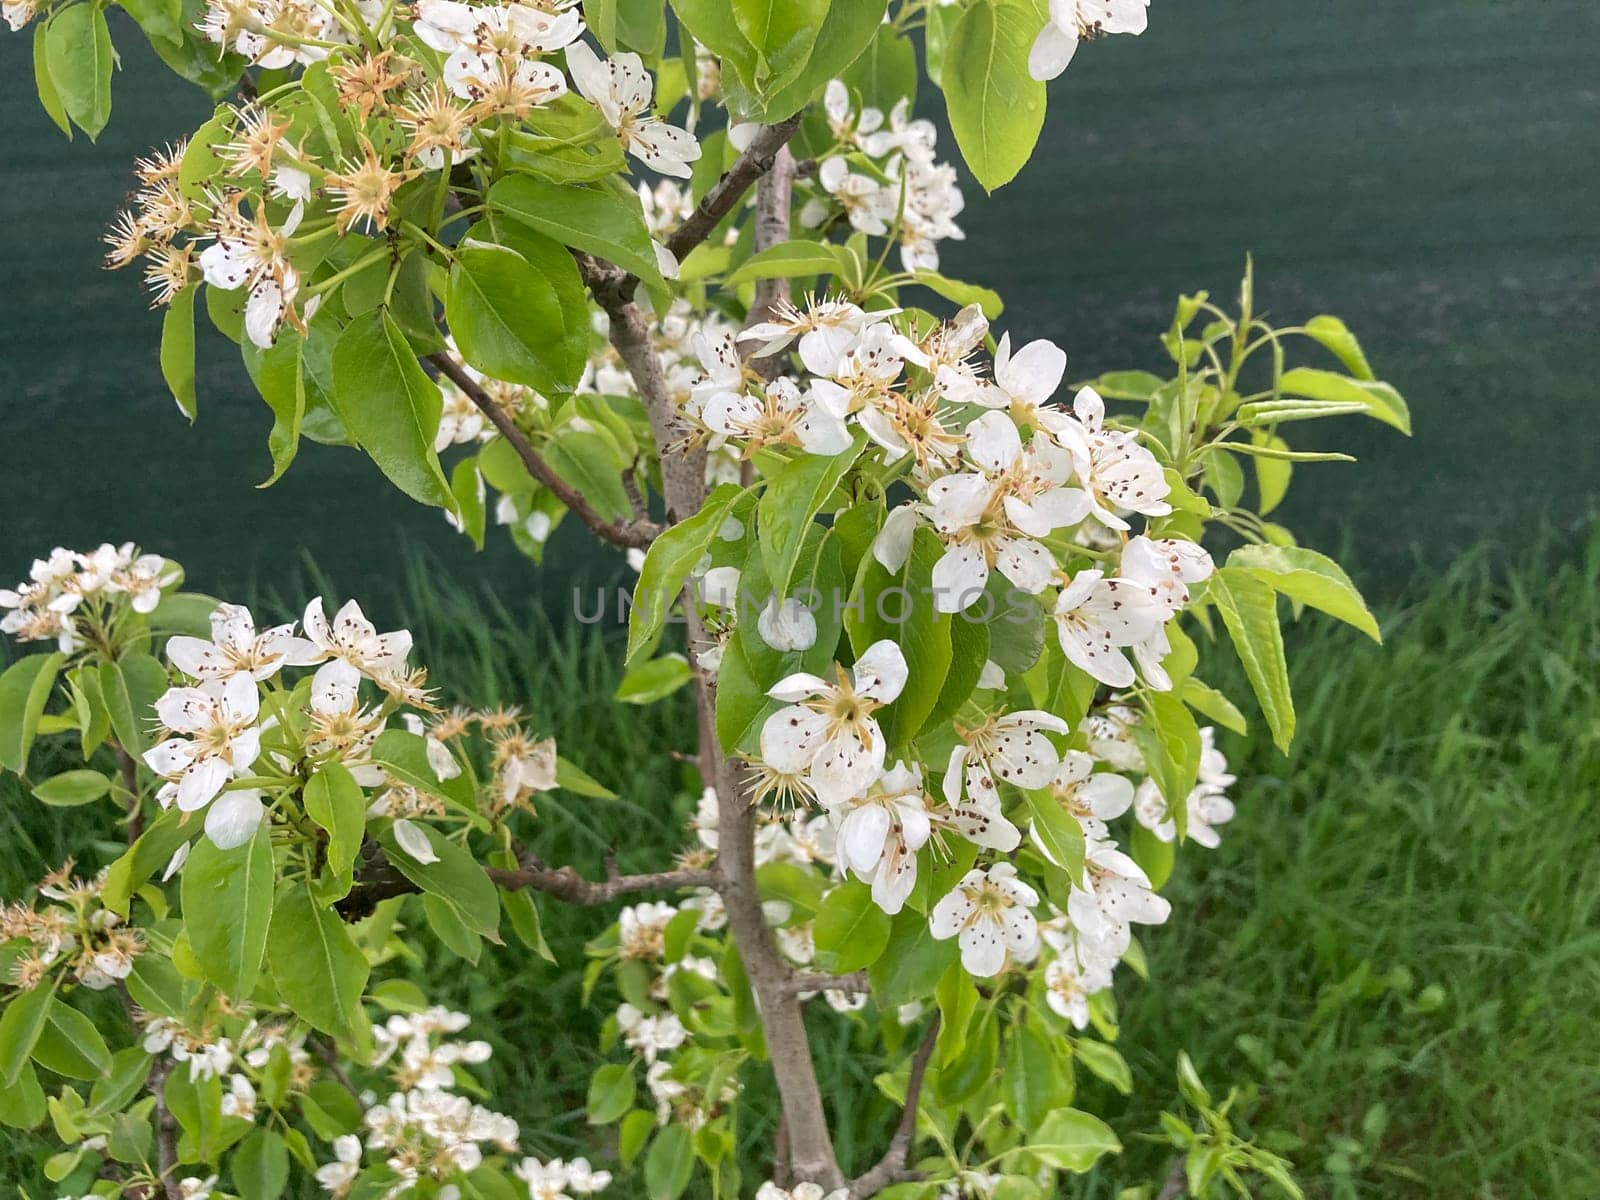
654	679
1033	1083
1249	609
1070	1140
962	294
611	1093
575	779
667	564
996	109
509	314
792	500
1379	400
457	879
1333	334
390	406
590	463
782	33
280	379
900	606
335	801
70	1045
604	221
851	930
20	1027
1309	578
261	1166
317	968
1171	744
912	963
1211	703
1105	1062
1057	831
847	31
886	71
177	350
22	1104
155	847
227	907
24	691
78	54
791	260
405	756
129	688
49	98
669	1164
1153	855
467	486
72	788
160	19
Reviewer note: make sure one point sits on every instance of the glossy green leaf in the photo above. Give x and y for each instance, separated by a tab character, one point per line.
335	801
1308	578
177	351
390	406
611	1092
996	109
851	931
793	498
1378	400
70	1045
655	679
20	1026
72	788
260	1166
602	220
79	57
24	690
667	565
510	315
456	878
1070	1140
317	968
49	98
1249	609
227	908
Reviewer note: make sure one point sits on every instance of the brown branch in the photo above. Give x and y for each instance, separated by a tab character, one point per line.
818	981
1177	1180
619	533
166	1124
378	880
891	1168
773	196
755	162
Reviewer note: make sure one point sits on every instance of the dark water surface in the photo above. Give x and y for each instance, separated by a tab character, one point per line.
1429	170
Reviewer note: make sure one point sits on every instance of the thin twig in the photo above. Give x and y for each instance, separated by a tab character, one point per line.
379	880
817	981
750	166
1177	1181
635	533
891	1168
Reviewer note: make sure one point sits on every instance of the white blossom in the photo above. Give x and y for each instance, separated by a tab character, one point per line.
989	914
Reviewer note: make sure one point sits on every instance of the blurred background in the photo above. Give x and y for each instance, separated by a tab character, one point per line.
1428	171
1395	954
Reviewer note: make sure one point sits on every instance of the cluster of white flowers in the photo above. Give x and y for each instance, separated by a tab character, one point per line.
213	727
882	178
800	1191
74	931
1000	475
561	1180
495	66
72	598
423	1130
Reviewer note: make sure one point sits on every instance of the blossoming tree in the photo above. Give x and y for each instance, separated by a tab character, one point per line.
940	612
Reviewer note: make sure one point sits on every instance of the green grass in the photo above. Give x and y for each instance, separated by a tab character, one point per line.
1394	952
